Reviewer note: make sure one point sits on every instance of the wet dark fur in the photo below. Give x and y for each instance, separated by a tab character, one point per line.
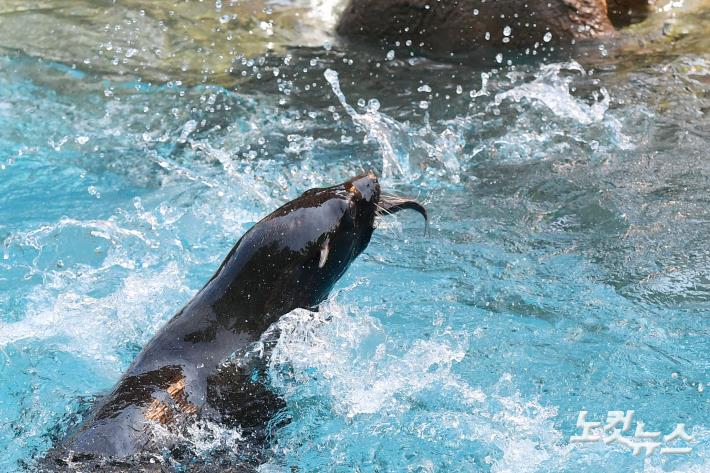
195	368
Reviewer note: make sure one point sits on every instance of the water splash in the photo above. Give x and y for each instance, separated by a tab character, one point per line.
380	128
367	377
552	89
406	152
97	328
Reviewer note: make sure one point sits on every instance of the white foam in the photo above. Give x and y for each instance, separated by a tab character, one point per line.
202	437
64	314
366	373
551	88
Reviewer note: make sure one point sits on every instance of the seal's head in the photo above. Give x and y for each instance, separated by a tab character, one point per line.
295	255
349	210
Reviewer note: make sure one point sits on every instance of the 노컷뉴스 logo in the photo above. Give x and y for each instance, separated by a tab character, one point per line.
619	422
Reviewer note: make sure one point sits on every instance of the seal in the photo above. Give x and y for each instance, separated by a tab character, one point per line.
197	366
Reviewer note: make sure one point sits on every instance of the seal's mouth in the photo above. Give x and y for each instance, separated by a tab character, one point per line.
389	204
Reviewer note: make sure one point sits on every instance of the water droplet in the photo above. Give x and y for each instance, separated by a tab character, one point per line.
390	55
547	37
499	58
475	11
424	88
459	89
506	31
373	105
423	104
488	36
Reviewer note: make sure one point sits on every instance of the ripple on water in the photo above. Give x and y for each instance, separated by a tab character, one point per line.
566	267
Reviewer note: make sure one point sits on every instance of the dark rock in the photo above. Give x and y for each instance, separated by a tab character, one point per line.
456	26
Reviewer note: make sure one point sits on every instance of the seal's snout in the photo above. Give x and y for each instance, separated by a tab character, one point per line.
365	187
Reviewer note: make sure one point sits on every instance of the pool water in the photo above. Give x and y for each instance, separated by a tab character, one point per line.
566	267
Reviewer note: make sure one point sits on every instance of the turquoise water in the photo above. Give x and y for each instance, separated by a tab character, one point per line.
566	267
